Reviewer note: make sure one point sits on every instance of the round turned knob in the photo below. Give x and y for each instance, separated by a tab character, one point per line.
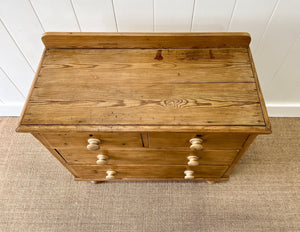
193	160
93	144
110	174
102	159
196	144
189	174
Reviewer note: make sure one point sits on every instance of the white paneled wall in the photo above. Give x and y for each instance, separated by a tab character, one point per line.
9	93
95	15
284	82
279	37
252	16
24	27
134	15
273	24
56	15
13	61
175	17
212	15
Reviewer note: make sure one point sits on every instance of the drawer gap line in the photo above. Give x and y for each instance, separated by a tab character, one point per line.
141	134
60	155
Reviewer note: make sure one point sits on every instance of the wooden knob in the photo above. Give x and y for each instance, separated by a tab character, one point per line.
189	174
102	159
193	160
110	174
196	144
93	144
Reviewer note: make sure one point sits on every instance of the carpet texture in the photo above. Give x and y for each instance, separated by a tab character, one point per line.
263	194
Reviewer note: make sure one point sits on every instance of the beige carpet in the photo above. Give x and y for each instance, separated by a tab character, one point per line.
263	194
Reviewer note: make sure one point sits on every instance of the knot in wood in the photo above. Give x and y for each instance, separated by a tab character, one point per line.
175	103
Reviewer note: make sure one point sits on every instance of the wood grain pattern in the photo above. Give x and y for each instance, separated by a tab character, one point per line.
183	65
247	143
107	140
145	40
139	99
142	128
167	112
127	172
148	156
274	25
143	66
99	180
124	94
30	91
210	140
150	104
145	139
43	141
203	57
146	87
125	102
259	92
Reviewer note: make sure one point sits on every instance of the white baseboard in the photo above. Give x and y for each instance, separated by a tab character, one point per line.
273	110
11	110
283	110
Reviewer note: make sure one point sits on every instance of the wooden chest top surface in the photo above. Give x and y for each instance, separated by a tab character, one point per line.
144	82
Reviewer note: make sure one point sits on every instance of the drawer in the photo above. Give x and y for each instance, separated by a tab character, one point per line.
210	140
127	172
78	141
150	157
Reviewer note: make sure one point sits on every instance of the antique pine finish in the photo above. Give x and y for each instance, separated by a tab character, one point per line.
146	106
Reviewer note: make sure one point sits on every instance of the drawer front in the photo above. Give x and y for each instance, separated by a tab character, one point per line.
78	141
127	172
149	157
210	140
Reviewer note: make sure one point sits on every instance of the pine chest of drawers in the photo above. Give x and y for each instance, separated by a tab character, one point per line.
133	106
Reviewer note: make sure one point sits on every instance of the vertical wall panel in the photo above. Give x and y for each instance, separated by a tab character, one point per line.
280	35
8	92
28	33
56	15
285	85
252	16
173	16
14	63
134	15
95	15
212	15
